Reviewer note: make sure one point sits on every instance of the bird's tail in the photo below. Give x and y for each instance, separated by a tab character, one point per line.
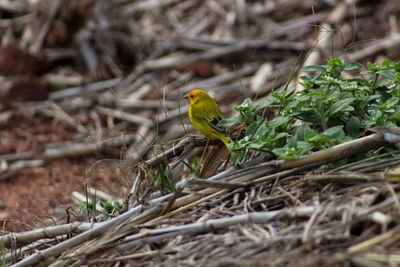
226	140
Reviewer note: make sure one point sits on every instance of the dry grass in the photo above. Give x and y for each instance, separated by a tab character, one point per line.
122	67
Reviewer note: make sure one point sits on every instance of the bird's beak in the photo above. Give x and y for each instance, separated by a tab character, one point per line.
186	96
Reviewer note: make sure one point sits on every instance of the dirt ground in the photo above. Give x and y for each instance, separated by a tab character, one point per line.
33	196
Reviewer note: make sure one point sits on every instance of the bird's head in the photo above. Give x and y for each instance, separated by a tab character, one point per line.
196	95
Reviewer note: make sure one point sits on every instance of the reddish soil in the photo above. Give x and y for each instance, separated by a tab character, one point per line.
15	61
31	196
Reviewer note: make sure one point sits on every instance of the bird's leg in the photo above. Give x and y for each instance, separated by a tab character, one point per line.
202	155
204	151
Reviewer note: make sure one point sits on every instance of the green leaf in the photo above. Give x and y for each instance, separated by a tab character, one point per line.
309	115
245	106
334	132
304	147
226	123
360	81
280	152
351	66
353	127
314	68
366	72
290	90
396	66
303	131
388	74
386	63
269	101
340	106
281	135
252	128
293	149
371	66
372	98
318	139
391	102
335	62
279	121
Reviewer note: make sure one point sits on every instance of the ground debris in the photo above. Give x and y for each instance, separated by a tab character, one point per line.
99	105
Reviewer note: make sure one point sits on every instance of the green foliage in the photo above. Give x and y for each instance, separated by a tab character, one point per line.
3	255
110	208
247	111
164	181
330	110
90	206
194	169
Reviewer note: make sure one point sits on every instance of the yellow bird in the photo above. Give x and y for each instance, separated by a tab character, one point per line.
205	114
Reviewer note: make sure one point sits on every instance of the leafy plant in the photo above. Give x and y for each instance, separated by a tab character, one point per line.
90	206
3	255
164	181
112	208
194	169
330	110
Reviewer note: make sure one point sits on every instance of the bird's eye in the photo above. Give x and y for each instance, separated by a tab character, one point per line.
191	96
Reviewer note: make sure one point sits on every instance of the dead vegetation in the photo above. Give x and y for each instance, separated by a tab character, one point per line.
105	79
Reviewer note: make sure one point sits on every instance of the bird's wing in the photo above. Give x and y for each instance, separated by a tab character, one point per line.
213	123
